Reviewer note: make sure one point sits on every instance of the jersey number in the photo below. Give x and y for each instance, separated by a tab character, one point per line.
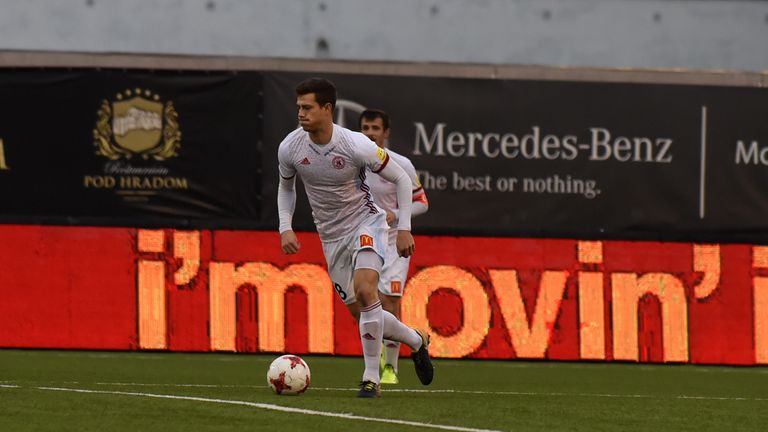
341	292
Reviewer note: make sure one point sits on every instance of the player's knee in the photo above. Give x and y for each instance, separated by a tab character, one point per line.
366	297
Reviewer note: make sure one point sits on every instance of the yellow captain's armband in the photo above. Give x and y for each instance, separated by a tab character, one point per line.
381	154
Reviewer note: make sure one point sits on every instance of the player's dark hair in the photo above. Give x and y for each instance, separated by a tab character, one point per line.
373	114
324	90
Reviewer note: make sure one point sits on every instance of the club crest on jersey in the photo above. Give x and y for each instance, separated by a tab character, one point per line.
338	162
366	240
305	161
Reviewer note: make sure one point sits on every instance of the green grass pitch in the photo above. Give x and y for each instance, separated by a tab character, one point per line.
147	391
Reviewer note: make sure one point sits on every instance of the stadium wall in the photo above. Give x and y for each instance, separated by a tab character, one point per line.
698	34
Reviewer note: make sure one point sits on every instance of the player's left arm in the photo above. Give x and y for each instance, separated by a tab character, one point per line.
380	163
395	174
419	202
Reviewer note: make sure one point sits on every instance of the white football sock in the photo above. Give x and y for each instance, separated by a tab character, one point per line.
371	331
395	330
391	353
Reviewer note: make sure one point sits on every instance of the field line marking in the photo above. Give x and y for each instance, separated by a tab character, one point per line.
272	407
178	385
394	390
483	392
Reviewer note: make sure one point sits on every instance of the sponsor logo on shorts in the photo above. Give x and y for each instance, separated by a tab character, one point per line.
366	240
395	287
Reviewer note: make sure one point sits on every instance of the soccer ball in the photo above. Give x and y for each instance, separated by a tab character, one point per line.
288	375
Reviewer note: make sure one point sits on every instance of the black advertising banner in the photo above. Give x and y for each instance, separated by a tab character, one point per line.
134	147
544	158
496	157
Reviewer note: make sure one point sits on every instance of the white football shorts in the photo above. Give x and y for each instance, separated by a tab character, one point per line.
340	255
394	272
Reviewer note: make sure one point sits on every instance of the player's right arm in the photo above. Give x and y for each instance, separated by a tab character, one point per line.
286	201
420	203
378	161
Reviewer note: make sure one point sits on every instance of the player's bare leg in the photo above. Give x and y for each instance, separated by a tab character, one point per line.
354	309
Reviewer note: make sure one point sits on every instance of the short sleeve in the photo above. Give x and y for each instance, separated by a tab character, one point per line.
370	155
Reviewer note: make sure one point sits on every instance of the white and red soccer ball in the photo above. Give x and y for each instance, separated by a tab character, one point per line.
288	375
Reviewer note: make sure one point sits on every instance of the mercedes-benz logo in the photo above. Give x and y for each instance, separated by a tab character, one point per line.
347	110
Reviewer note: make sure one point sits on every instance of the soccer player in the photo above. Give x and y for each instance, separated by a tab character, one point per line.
375	124
332	162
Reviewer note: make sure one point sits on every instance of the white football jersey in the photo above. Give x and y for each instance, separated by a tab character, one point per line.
384	191
335	177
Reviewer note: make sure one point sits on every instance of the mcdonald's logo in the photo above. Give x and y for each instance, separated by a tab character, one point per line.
366	240
395	287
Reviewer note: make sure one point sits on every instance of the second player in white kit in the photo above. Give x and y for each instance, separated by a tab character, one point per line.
376	125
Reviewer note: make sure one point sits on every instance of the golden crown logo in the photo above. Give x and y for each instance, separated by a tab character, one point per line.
137	123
